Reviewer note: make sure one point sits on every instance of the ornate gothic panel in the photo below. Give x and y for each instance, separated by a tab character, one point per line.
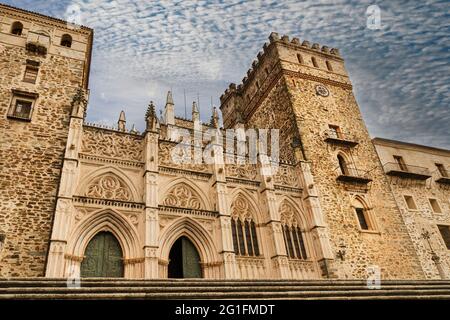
110	144
183	196
109	186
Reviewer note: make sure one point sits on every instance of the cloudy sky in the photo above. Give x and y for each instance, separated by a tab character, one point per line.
143	48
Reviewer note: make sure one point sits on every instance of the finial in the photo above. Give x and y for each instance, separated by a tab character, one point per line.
133	129
151	118
169	99
214	118
194	107
122	122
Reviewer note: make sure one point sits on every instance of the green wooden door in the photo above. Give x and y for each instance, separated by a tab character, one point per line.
184	260
103	257
191	259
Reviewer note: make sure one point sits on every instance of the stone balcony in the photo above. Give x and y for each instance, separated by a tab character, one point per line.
353	175
406	171
340	138
443	177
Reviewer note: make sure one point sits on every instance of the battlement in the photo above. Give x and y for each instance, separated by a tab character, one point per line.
274	38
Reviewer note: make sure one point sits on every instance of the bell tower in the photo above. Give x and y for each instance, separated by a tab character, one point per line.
303	89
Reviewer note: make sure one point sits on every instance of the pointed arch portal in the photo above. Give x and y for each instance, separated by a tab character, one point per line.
103	257
184	260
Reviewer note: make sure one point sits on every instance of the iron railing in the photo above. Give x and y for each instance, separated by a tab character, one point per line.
406	171
351	174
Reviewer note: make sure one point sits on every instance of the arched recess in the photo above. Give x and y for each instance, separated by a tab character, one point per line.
295	230
110	221
244	194
199	237
302	215
113	172
184	192
363	211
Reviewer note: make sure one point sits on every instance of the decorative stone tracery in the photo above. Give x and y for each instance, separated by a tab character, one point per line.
183	196
109	187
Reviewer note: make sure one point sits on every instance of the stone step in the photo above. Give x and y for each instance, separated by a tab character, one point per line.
360	294
97	288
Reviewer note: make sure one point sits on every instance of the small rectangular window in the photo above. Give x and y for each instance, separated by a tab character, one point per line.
435	206
445	233
31	74
314	62
362	218
442	171
410	202
22	105
401	163
329	66
335	131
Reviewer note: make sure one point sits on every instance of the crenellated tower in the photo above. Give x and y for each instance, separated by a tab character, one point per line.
304	90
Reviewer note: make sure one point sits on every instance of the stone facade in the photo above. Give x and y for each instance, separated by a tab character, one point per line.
328	211
424	182
32	150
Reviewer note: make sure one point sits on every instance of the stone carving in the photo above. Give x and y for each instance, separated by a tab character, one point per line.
288	215
321	90
241	208
109	187
287	176
241	171
183	196
181	160
110	144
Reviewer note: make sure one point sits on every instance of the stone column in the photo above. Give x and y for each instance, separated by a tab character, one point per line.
220	185
151	226
64	212
279	255
319	230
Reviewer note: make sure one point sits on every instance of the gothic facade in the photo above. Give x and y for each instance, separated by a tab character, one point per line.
80	199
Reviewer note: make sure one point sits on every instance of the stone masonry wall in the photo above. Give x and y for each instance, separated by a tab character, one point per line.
31	155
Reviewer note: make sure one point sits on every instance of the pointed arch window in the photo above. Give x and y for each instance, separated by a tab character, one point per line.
343	165
243	229
292	233
365	220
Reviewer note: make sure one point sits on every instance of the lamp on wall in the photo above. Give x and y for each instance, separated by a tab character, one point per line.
341	252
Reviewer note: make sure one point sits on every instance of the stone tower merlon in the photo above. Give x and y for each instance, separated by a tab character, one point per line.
280	54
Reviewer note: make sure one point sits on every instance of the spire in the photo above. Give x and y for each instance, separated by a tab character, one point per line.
215	118
195	113
169	112
151	118
122	122
133	130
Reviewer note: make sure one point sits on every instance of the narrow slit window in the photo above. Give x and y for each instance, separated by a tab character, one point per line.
435	206
445	233
410	203
314	62
362	218
329	66
300	58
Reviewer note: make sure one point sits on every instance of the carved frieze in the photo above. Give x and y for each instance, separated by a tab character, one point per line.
182	196
110	144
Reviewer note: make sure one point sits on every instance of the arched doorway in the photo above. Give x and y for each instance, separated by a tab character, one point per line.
184	260
103	257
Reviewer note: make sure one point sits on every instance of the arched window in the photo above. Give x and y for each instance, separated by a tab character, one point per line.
17	28
343	165
362	214
243	228
329	67
300	58
314	62
292	233
66	41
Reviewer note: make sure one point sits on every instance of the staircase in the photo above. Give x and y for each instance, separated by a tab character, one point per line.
107	288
